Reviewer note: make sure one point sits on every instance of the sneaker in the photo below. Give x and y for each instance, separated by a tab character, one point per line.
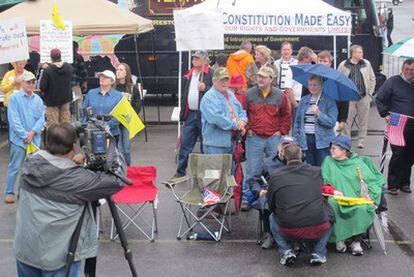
406	189
268	241
340	246
288	258
393	191
360	145
177	175
317	259
356	248
9	199
245	207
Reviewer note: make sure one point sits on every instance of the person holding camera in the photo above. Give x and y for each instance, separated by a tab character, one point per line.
55	194
103	100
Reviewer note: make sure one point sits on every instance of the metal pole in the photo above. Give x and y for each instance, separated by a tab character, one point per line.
180	59
142	84
349	46
334	51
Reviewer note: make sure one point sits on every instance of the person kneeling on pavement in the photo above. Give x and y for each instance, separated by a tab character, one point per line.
340	170
299	211
259	188
55	187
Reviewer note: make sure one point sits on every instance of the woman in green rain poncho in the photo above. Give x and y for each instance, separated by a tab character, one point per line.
340	171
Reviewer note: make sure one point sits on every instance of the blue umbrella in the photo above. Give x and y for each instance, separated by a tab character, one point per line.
336	85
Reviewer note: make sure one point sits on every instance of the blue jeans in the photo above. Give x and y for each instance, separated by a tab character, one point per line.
283	243
313	155
24	270
17	156
124	144
217	150
191	132
256	148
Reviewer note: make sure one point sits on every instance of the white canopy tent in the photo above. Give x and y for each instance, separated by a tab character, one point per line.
276	17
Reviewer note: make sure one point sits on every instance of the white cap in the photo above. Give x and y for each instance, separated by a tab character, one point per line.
108	73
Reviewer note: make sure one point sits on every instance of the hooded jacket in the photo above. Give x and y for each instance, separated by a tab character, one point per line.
54	191
56	84
238	63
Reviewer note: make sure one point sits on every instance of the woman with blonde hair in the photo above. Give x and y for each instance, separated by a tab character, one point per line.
12	80
124	84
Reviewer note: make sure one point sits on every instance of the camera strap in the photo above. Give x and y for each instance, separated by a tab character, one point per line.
74	242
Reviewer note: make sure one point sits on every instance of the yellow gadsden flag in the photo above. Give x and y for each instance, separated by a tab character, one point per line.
57	18
31	147
352	201
125	114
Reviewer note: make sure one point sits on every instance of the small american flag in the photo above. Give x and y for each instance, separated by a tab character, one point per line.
210	197
395	129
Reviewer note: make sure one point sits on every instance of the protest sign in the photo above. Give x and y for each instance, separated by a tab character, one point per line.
13	41
52	37
198	30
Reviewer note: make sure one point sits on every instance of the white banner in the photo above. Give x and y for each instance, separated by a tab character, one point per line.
13	41
198	30
328	24
51	37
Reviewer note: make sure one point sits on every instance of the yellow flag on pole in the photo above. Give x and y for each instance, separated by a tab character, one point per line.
31	147
126	114
57	18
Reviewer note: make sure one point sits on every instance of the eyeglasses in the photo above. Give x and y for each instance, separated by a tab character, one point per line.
31	82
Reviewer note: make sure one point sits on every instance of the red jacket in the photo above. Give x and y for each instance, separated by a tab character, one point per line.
268	115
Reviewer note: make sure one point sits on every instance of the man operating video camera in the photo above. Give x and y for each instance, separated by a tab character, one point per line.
55	192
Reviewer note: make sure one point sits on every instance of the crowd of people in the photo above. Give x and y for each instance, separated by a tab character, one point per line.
299	137
295	136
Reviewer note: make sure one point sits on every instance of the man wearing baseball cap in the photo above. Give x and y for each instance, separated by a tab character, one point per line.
195	84
221	113
56	86
26	114
269	116
103	100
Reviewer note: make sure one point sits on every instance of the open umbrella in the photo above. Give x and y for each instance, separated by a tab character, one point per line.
403	48
336	85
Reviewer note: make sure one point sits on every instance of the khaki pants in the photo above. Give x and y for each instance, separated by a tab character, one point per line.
57	114
358	118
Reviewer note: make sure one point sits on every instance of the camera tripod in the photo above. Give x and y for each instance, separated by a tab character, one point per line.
90	263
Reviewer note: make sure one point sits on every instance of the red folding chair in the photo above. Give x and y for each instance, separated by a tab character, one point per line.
132	200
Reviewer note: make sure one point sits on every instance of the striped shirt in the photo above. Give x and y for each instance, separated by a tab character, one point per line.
310	116
356	76
285	73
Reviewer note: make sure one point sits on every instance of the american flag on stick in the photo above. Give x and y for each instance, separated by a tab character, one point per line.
395	129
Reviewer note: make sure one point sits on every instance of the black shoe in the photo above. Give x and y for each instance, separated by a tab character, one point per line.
393	191
268	241
177	175
245	207
406	189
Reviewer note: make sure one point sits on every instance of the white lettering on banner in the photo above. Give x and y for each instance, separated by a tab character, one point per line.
51	37
13	38
287	24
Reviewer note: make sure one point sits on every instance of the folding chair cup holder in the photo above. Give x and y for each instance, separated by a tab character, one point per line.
132	202
211	171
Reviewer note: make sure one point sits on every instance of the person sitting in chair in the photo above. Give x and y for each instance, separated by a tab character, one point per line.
340	170
299	211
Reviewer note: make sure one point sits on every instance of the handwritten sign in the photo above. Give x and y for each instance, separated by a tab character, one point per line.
198	30
51	37
13	41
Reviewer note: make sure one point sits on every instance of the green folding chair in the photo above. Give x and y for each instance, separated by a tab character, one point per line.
207	171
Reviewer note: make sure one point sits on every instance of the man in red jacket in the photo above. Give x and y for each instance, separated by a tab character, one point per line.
269	117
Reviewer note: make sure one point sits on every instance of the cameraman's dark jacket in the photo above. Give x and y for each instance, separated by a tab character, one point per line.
54	191
295	196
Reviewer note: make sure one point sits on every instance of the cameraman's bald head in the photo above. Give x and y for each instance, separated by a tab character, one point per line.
59	139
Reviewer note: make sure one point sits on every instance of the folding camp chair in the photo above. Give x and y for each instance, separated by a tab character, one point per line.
207	171
131	201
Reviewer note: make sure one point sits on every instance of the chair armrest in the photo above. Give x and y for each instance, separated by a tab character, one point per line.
231	182
173	182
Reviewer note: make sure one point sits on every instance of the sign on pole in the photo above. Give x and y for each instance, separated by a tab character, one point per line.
13	41
198	30
51	37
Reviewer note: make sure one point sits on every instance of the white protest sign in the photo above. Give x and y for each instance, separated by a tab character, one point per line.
198	30
13	41
51	37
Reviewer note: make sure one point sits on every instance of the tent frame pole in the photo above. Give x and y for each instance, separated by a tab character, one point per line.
142	84
334	51
180	60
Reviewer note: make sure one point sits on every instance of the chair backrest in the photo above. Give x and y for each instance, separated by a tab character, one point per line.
210	171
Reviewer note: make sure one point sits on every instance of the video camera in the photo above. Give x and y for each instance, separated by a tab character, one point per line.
97	141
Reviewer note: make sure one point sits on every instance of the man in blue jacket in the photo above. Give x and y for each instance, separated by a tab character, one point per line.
221	113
